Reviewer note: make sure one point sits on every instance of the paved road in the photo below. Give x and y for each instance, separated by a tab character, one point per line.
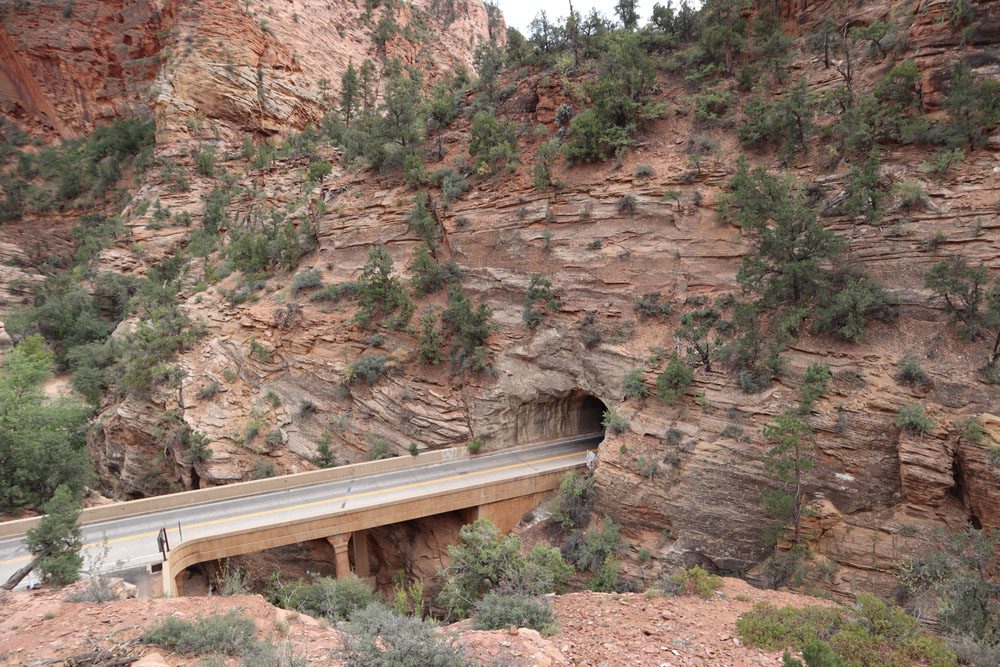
130	542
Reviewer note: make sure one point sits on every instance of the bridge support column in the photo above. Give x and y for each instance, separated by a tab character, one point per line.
359	547
343	559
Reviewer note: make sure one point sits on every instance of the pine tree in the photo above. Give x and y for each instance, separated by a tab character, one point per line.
973	106
627	13
350	94
430	341
325	457
57	539
426	276
368	85
379	290
785	264
790	457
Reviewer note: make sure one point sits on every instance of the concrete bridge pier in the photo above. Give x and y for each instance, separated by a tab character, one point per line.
347	544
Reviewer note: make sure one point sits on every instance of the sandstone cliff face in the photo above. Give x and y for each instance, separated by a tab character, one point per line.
211	69
69	66
877	493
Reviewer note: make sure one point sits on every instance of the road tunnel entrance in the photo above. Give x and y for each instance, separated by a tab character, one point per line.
552	416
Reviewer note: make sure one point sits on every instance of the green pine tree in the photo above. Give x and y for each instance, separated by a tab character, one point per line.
57	539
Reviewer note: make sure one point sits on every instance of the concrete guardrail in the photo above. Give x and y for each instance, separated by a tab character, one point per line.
130	508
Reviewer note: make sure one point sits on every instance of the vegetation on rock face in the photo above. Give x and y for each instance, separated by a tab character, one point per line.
77	172
574	500
958	580
380	293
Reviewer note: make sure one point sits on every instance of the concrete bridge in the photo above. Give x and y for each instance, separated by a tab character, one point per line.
170	534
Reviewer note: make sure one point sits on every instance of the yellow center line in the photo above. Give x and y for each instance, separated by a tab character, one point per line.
316	503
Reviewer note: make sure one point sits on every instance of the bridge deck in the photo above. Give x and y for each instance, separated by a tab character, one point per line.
129	542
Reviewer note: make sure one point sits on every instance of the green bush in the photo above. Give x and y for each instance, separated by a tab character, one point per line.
333	599
713	104
500	612
957	578
335	293
426	275
493	144
368	369
318	170
148	349
539	291
596	546
378	637
468	328
943	161
912	196
695	581
871	634
230	633
973	106
608	578
574	500
422	221
622	101
815	383
911	417
613	422
849	302
653	305
674	381
453	186
308	279
486	561
911	373
205	162
56	541
545	159
380	293
786	123
378	448
429	341
634	385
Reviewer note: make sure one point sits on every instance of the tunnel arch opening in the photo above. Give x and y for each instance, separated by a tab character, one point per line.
558	415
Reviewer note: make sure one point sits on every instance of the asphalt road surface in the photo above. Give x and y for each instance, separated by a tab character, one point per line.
131	542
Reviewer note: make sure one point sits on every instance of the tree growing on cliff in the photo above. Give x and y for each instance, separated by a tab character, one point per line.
724	32
431	346
963	289
790	244
973	107
56	541
674	381
959	579
350	94
788	459
380	293
468	327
